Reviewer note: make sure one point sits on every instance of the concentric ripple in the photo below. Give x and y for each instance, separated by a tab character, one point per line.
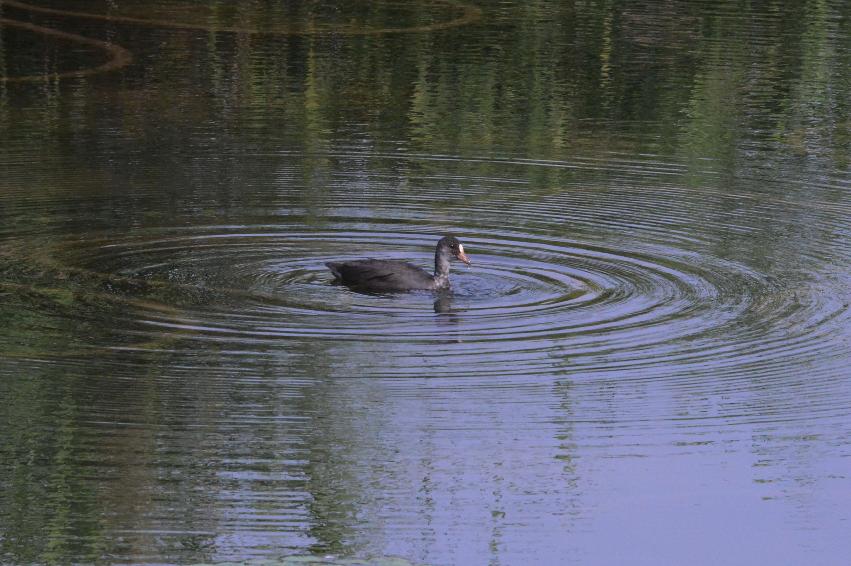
598	271
528	305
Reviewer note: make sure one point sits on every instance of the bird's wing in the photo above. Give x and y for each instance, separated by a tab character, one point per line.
390	274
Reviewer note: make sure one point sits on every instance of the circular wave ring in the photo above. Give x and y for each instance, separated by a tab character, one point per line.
530	297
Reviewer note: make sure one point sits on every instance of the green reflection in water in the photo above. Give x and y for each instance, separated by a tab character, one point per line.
52	508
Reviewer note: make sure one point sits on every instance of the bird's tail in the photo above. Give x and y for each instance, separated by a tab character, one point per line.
335	269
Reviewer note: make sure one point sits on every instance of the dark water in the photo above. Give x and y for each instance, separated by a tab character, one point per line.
647	362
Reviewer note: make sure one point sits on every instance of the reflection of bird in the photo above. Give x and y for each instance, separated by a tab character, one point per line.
443	303
381	275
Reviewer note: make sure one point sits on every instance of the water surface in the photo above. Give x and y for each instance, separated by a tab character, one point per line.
647	361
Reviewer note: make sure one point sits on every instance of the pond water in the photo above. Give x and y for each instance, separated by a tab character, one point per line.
647	361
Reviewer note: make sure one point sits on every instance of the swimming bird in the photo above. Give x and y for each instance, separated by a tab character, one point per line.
393	276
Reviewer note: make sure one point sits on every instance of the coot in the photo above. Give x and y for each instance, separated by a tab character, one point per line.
389	276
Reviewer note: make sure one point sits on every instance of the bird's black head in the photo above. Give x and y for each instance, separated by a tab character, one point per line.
455	247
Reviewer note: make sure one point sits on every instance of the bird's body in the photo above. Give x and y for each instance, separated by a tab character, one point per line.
393	276
383	275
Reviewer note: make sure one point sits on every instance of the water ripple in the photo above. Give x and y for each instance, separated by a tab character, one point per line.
525	299
600	281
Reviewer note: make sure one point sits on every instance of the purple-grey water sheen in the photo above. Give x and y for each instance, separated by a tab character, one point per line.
646	363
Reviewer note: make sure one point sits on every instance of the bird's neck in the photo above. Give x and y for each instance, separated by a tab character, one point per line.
441	266
441	281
